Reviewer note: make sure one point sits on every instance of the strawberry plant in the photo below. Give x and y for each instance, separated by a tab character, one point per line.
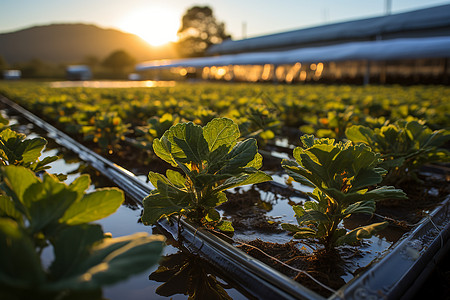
404	146
16	150
212	161
155	128
259	122
107	130
36	214
343	176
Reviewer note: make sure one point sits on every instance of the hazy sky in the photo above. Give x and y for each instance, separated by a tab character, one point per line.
260	16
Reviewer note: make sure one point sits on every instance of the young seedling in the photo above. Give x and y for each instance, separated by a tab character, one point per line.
212	161
343	176
16	150
404	147
107	130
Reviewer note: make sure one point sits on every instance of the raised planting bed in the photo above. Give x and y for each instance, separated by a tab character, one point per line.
204	279
409	247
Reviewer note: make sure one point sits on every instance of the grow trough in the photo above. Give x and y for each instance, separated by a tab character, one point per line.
392	275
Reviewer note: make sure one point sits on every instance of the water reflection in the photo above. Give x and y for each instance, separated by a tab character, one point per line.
188	274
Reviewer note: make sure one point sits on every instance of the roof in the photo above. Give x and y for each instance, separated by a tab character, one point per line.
434	47
434	21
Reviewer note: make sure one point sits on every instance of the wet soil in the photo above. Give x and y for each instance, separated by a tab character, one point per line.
326	268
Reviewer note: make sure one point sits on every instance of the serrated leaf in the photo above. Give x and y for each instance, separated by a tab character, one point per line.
192	143
162	148
157	205
221	131
241	155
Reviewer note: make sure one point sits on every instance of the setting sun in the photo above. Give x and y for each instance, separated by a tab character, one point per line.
156	25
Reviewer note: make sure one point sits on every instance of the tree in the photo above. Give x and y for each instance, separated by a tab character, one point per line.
199	30
91	60
3	64
118	61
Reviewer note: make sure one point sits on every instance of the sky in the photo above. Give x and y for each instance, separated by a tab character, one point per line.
158	20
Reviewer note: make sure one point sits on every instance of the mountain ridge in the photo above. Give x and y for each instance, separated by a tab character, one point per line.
68	43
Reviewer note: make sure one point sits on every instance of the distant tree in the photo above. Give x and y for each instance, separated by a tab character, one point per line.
3	64
91	61
199	30
118	61
34	68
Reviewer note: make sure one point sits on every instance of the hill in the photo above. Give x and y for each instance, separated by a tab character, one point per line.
71	43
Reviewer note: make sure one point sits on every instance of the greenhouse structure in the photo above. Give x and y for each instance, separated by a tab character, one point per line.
411	47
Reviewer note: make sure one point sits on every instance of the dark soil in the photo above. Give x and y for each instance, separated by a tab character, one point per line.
423	197
327	268
246	210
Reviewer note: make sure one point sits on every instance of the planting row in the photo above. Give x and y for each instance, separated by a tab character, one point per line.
209	163
52	251
260	110
213	160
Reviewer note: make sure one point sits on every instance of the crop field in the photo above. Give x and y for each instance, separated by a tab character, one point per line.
316	177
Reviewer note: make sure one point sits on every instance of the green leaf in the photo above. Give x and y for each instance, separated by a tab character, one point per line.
296	172
99	204
254	178
241	155
256	163
290	227
7	209
363	232
111	261
221	131
359	134
162	148
18	180
176	178
366	207
47	202
20	266
192	143
305	232
32	149
161	203
72	246
80	185
212	215
155	177
225	226
214	200
313	216
43	165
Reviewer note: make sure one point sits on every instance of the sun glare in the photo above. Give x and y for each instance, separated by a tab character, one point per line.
156	25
